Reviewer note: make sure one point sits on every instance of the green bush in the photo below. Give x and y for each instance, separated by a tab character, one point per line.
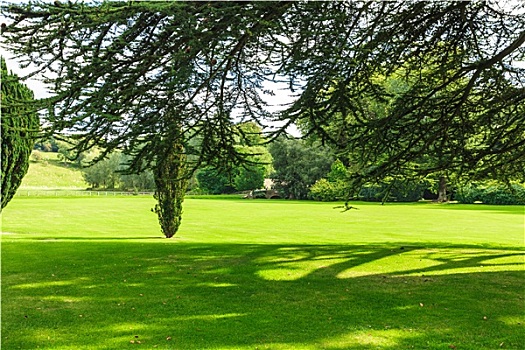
491	193
326	191
333	187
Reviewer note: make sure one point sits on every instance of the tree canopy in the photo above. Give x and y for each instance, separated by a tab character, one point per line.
141	75
19	128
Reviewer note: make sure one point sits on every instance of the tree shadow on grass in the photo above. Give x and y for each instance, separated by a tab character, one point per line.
110	295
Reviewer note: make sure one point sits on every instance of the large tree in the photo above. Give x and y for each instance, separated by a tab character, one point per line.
19	129
298	165
463	106
149	76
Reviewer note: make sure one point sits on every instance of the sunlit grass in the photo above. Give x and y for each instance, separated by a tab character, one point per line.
50	173
88	273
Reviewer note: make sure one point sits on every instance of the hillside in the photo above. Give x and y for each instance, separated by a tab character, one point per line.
46	171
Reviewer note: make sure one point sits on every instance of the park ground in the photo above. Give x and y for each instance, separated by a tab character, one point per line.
95	273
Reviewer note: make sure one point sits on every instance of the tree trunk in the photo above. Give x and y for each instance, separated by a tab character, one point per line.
171	181
442	191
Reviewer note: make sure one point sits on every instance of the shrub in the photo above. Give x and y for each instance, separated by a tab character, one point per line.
491	193
36	156
326	191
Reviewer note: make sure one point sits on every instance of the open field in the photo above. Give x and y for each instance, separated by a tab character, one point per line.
94	273
51	173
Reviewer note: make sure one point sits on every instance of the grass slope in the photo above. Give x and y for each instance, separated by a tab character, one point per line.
51	174
93	273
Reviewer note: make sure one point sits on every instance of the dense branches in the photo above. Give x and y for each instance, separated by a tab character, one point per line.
19	128
463	101
119	69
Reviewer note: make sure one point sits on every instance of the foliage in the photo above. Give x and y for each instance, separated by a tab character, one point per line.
36	156
138	182
66	153
491	193
243	177
108	73
328	191
104	174
249	178
124	71
298	166
423	81
19	127
47	145
334	186
251	175
213	181
109	174
171	183
338	172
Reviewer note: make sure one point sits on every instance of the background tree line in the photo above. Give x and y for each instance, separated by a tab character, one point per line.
299	169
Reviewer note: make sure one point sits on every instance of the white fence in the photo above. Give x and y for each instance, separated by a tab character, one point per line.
76	193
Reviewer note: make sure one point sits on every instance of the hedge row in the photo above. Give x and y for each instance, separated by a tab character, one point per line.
487	193
326	191
491	194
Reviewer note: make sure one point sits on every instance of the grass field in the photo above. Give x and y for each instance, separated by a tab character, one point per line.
94	273
50	173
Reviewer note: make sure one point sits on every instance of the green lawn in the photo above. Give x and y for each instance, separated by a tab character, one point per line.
50	173
94	273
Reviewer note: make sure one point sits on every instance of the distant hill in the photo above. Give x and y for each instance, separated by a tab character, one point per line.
46	171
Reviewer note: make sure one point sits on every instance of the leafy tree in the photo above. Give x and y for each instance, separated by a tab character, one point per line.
298	166
47	145
338	172
248	176
138	182
258	166
213	181
36	156
242	178
110	174
19	127
149	76
104	174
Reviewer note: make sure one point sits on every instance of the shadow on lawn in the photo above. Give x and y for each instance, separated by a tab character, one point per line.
214	296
